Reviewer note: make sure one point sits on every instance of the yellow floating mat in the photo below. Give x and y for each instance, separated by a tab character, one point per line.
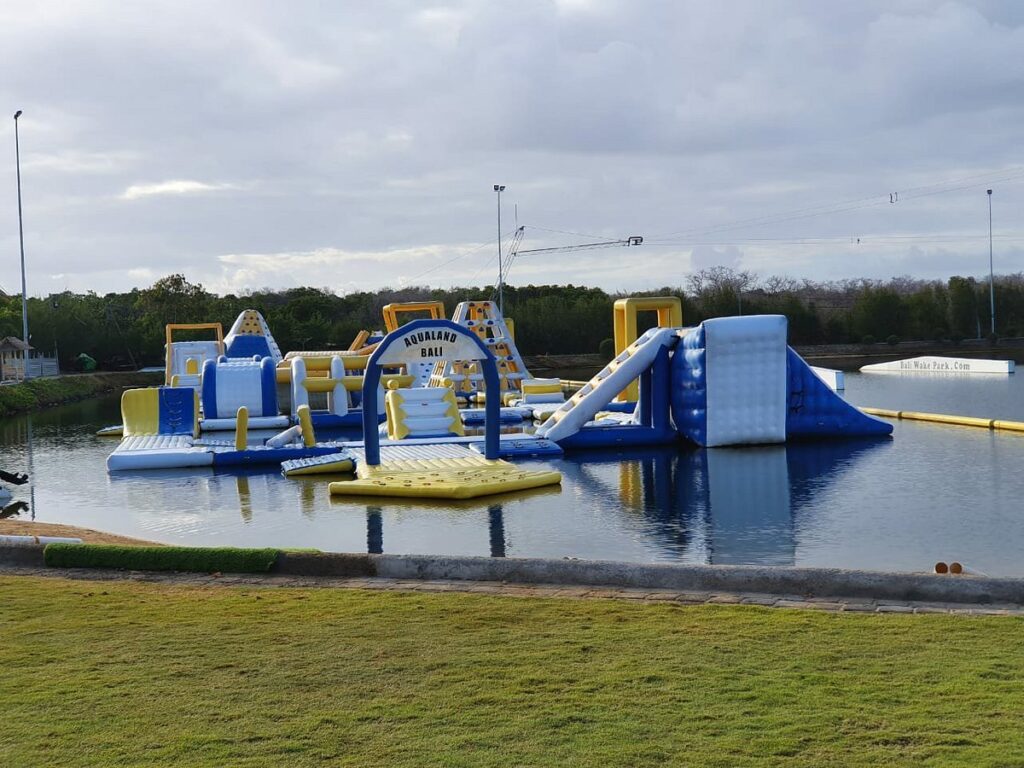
443	479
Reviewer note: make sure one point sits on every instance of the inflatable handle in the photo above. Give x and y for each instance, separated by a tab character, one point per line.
242	429
306	424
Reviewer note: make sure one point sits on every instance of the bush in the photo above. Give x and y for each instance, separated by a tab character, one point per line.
198	559
892	340
993	338
868	339
54	390
939	334
607	349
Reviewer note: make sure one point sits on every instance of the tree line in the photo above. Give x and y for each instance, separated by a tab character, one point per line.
126	330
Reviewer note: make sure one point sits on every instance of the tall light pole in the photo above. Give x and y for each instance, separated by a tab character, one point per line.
991	273
21	235
499	188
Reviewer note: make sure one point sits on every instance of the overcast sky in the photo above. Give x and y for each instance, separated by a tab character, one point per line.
354	145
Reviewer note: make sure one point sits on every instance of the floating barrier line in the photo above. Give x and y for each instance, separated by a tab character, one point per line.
941	418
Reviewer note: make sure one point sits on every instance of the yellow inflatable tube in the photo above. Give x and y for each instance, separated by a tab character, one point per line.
942	418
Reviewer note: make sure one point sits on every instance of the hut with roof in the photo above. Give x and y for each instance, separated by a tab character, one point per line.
13	358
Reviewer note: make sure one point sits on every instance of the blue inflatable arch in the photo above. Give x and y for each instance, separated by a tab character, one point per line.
426	341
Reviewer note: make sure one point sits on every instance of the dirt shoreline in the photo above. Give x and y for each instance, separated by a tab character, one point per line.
31	528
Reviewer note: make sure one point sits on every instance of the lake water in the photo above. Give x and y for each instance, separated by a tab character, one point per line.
929	493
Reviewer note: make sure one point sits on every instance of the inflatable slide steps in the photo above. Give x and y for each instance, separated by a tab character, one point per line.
440	472
595	395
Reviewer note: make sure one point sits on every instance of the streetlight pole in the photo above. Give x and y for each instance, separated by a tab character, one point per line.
21	236
499	188
991	274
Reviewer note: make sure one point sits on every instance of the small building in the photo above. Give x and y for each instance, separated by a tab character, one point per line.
14	355
18	361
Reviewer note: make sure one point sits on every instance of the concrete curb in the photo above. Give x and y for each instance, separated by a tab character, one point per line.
816	582
22	555
775	580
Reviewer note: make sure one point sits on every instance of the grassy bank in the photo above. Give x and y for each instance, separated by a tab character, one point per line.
43	393
107	673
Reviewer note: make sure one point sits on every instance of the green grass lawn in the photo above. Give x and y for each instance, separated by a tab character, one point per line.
103	673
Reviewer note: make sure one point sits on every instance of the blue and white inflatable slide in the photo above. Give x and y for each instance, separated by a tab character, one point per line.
730	381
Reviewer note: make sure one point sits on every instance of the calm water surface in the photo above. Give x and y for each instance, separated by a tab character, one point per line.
930	493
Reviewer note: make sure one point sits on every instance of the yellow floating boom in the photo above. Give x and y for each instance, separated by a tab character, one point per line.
941	418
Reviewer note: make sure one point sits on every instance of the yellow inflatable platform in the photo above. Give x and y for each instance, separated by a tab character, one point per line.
466	477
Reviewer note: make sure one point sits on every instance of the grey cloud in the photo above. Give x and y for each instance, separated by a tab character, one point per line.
378	129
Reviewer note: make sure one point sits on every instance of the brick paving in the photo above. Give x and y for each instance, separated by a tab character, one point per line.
560	591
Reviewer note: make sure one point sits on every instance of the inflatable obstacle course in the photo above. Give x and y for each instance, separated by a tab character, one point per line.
730	381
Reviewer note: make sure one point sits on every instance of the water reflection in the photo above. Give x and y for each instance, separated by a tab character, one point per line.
723	506
374	531
19	432
495	530
13	509
440	517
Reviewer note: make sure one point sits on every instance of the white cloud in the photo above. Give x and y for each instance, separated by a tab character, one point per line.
175	187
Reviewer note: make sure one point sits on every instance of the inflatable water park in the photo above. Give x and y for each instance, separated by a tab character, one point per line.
444	408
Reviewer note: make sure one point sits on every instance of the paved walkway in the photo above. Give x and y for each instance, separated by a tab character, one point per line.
572	592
